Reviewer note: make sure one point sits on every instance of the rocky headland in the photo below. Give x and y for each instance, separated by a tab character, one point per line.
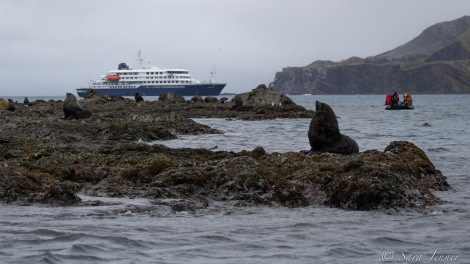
47	158
436	61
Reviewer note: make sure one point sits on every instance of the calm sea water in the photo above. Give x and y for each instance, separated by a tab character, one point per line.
139	231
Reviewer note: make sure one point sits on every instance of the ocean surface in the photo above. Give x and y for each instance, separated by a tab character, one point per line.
140	231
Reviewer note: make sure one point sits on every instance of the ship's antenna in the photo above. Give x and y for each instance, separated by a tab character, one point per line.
213	74
139	59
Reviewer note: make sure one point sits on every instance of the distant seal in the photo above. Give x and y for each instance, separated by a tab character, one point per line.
324	135
138	97
11	105
72	108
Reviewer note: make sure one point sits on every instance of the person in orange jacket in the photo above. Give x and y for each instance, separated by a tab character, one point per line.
407	100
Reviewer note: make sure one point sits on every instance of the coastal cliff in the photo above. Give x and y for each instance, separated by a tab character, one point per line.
436	61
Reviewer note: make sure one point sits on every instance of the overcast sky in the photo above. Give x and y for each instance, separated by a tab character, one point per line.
52	47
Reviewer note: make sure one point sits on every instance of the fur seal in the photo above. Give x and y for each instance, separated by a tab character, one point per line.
11	105
138	97
72	108
324	135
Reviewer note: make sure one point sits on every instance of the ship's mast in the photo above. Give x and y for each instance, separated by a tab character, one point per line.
213	74
139	60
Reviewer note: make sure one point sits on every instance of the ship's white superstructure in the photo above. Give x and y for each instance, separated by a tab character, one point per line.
151	81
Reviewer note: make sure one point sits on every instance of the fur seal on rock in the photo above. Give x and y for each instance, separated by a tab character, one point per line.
72	108
138	97
11	105
324	135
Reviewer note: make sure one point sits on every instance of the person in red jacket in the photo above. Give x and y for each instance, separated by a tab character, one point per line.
388	99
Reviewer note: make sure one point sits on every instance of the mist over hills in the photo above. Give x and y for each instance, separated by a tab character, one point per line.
436	61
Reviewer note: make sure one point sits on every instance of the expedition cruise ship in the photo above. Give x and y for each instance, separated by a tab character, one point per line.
151	81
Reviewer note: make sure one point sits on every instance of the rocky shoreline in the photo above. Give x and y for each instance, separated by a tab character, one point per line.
45	158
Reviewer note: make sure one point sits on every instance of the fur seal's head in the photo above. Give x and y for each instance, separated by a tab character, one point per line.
325	115
71	101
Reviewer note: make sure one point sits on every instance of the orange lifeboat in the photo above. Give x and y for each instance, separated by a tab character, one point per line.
113	78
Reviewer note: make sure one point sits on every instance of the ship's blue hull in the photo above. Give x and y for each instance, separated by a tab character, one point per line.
207	89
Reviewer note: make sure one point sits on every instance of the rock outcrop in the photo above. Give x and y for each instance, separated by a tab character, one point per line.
51	160
267	102
437	61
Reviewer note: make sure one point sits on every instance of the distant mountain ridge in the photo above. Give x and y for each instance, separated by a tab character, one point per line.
436	61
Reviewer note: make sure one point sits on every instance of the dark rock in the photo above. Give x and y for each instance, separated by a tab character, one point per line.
4	140
210	99
15	153
260	110
262	96
197	99
171	98
237	101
